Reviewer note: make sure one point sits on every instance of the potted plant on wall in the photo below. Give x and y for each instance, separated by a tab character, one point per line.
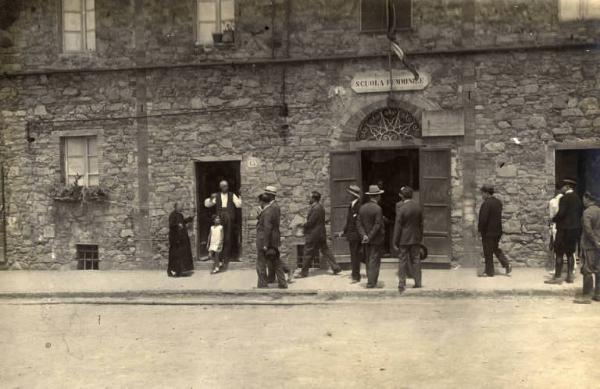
228	34
217	37
75	193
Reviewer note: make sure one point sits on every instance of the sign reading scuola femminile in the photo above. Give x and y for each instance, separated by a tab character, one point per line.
401	80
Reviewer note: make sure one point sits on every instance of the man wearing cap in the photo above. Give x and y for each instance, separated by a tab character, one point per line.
268	240
316	237
490	228
370	226
590	244
568	230
408	234
351	232
226	203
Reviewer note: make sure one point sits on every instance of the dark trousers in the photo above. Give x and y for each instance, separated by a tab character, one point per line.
590	269
227	220
311	250
271	275
491	248
410	261
356	257
373	254
566	244
214	256
261	270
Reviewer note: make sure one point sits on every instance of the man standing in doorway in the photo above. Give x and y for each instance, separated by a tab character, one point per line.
590	243
316	237
351	232
408	234
372	230
568	230
268	239
225	204
490	228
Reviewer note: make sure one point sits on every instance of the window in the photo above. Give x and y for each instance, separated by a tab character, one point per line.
213	16
81	158
374	14
79	25
575	10
87	257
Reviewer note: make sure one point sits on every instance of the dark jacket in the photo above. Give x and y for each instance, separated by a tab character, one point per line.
314	228
570	210
370	223
590	239
490	218
267	228
408	229
350	229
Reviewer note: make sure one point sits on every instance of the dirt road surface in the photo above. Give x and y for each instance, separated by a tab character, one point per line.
411	343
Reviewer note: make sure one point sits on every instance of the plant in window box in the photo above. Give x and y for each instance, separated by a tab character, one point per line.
217	37
75	193
95	193
228	34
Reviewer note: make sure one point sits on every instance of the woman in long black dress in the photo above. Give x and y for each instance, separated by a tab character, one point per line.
180	250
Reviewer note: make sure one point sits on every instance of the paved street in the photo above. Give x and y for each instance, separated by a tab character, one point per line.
410	343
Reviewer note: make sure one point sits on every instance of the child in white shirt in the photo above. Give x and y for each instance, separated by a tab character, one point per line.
215	243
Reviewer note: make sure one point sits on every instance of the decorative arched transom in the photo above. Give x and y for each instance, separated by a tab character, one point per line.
388	124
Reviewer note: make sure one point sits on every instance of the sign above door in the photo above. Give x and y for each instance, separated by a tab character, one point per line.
401	80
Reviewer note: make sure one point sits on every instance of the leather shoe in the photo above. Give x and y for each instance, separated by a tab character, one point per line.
569	280
508	269
401	290
554	281
337	271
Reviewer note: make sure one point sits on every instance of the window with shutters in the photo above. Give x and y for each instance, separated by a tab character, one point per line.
374	14
578	10
78	26
81	160
214	17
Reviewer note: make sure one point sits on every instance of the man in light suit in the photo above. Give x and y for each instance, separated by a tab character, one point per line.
408	234
315	237
268	240
372	230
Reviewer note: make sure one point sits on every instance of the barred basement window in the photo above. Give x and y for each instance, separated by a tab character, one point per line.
78	25
389	124
81	159
213	16
374	14
87	257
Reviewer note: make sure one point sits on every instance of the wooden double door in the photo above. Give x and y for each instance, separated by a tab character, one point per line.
431	179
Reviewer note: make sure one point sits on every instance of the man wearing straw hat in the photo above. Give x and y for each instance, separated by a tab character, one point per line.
268	239
351	232
372	230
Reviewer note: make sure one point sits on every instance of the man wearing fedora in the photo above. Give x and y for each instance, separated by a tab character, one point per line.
408	234
351	232
490	228
268	240
568	230
316	237
590	244
372	231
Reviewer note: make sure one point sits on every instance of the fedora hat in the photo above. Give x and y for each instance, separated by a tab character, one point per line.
354	190
569	181
486	188
374	190
271	190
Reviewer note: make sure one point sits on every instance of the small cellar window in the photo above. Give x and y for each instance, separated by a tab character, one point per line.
87	257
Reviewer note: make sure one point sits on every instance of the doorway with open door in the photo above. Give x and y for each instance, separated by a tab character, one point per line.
208	176
582	165
426	170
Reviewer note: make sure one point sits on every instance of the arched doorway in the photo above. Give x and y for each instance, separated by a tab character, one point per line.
388	151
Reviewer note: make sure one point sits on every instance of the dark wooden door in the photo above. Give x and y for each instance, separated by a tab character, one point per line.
435	199
344	171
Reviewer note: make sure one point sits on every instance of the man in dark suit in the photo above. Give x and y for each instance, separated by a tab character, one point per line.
372	230
408	234
490	228
268	240
351	232
568	230
316	237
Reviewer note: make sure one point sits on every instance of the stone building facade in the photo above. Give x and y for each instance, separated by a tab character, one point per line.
514	88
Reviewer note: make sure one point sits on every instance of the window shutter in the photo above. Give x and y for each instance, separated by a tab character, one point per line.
373	15
90	25
403	13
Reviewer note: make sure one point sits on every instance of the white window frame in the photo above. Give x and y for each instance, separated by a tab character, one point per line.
87	34
218	19
578	10
85	175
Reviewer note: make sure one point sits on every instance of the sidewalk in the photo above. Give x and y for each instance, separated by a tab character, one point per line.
240	283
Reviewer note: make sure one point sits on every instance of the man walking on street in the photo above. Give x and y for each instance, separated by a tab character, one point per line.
408	234
268	240
568	230
316	237
590	243
372	230
490	228
351	232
